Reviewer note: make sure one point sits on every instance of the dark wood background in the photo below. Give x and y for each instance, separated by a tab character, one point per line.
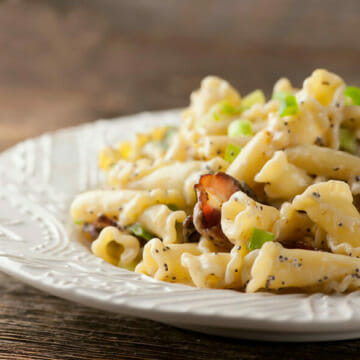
64	62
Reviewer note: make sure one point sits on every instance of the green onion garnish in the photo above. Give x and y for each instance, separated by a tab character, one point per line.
255	97
288	106
172	207
347	140
280	95
223	108
139	231
160	144
240	127
352	95
258	238
227	109
78	222
169	133
166	140
231	152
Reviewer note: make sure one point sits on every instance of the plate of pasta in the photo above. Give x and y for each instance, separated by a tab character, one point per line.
237	216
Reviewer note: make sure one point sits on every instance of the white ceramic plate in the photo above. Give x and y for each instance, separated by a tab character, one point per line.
39	178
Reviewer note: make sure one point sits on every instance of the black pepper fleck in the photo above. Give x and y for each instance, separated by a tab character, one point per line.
319	141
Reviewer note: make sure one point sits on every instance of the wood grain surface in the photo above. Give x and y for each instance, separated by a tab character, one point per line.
65	62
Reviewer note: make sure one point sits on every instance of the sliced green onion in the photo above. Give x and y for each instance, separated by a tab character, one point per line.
280	95
172	207
216	116
288	106
140	231
231	152
255	97
78	222
347	140
228	109
259	238
223	108
169	133
240	127
352	95
166	140
158	143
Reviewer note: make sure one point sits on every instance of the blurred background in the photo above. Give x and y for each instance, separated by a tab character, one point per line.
65	62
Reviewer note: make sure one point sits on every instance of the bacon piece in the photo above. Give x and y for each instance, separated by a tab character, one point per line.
189	232
299	244
356	202
93	229
212	191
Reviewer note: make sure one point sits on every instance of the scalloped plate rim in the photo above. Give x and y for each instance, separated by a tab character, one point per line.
323	326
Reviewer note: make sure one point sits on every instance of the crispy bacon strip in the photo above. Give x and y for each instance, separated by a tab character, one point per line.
212	191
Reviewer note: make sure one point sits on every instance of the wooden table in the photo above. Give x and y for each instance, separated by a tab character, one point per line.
66	62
